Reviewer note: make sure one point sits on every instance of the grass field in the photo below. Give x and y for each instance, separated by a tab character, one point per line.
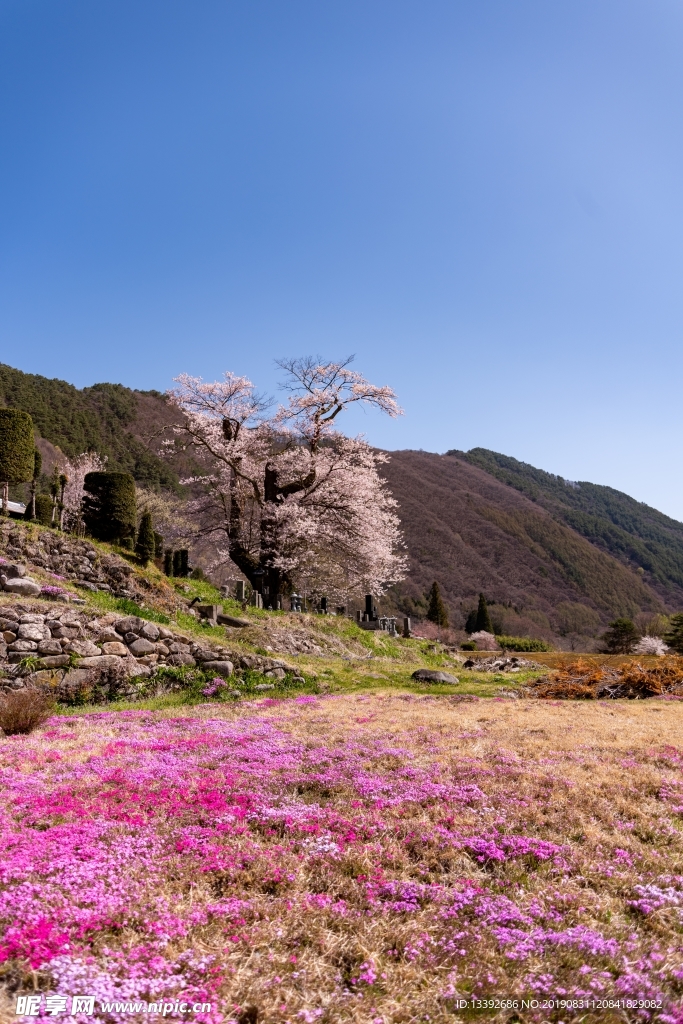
376	857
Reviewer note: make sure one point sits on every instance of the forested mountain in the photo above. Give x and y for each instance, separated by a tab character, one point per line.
110	419
472	531
639	536
549	554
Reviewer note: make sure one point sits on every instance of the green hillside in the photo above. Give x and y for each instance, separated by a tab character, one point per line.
637	535
105	418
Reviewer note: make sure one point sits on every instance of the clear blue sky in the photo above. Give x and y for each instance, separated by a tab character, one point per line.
483	200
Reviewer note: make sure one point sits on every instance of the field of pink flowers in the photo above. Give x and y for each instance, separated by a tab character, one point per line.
341	858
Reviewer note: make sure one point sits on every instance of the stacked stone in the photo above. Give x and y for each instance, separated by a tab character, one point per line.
128	648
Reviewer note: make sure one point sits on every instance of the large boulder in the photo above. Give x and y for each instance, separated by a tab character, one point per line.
21	587
141	647
428	675
131	624
33	631
222	668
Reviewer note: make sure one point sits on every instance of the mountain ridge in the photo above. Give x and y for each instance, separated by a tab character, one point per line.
545	551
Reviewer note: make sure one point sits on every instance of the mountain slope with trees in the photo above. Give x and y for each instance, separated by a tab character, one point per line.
114	421
472	533
549	555
638	536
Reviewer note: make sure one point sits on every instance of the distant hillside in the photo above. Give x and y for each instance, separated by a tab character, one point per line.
107	418
548	552
472	532
639	536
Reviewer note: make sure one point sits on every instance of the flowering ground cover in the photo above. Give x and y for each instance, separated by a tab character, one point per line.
376	858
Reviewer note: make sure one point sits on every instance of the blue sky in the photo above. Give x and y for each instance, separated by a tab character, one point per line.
483	200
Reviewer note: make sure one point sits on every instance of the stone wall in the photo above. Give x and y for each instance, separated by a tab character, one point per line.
73	651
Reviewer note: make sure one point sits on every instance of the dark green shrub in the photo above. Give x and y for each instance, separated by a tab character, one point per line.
180	562
471	623
522	643
469	645
168	562
109	507
44	508
436	611
145	545
158	545
483	620
621	637
16	448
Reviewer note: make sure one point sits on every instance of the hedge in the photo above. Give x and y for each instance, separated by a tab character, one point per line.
523	643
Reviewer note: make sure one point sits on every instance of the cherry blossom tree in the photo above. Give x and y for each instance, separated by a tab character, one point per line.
299	504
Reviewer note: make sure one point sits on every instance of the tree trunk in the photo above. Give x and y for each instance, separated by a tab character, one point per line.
5	498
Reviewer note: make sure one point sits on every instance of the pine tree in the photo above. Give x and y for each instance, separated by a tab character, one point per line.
145	545
674	637
168	562
483	621
621	637
471	623
437	610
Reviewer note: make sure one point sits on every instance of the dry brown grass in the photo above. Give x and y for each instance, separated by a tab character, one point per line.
22	711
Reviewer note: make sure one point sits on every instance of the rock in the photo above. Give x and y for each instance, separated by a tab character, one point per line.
162	650
135	668
115	647
223	668
84	648
8	636
298	680
265	686
230	620
49	647
141	646
44	678
3	650
76	675
130	637
33	631
427	675
23	587
165	634
150	631
23	646
14	570
29	617
182	659
109	636
276	673
177	648
85	585
99	661
131	624
55	661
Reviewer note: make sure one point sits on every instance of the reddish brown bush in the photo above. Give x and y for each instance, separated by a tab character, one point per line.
21	711
582	680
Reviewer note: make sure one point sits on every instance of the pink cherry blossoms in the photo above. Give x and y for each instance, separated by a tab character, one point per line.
293	498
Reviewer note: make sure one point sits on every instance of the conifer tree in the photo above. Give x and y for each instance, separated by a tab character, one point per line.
674	637
483	621
621	637
168	562
471	623
437	610
145	545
